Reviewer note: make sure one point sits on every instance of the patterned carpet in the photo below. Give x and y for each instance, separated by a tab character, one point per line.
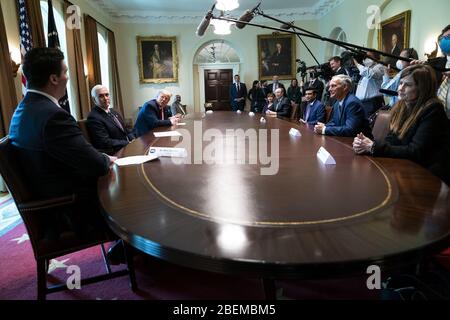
9	216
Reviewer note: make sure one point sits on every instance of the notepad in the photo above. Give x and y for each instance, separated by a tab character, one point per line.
127	161
167	134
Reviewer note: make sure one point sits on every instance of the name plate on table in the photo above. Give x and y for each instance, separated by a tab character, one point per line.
168	152
325	157
295	133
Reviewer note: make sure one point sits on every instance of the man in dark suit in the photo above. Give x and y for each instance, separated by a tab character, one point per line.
348	113
106	127
238	94
315	83
155	113
275	85
313	110
55	157
281	106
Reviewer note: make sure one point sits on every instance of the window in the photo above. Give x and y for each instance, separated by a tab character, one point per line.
104	58
60	27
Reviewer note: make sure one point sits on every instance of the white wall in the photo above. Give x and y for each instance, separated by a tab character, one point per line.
244	41
428	18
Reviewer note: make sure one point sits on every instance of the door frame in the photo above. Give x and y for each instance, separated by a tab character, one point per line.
212	66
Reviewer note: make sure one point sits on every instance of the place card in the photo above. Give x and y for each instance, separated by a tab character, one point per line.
325	157
295	133
168	152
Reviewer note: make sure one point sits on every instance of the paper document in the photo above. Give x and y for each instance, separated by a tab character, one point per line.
167	134
181	124
135	160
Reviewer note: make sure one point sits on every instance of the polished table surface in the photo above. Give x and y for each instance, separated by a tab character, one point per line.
308	219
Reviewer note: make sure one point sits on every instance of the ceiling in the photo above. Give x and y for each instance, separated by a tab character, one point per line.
203	5
189	11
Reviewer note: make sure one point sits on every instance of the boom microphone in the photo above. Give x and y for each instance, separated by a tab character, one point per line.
247	17
205	22
389	92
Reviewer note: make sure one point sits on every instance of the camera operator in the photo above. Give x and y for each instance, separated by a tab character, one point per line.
369	86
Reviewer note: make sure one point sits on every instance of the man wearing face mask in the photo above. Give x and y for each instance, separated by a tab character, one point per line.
369	86
392	84
444	88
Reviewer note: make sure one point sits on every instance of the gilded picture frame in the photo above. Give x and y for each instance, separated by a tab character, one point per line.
276	56
394	30
157	59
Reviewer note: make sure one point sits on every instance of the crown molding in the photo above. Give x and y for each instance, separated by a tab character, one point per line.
318	11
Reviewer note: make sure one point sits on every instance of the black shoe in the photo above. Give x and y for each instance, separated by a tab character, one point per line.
116	254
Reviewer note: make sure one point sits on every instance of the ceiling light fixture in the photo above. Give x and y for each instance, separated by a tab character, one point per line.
227	5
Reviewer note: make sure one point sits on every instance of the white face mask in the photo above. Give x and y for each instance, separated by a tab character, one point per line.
368	62
399	65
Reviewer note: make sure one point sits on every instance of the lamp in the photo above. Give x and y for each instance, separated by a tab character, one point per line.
15	61
222	27
227	5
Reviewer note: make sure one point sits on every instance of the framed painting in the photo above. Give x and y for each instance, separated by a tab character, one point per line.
157	59
276	56
393	35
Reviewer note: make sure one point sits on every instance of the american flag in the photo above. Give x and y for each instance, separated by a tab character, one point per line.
53	42
26	40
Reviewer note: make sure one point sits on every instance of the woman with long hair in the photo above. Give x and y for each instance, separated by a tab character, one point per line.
419	129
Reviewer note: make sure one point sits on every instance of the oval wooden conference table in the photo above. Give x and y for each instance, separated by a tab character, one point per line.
306	220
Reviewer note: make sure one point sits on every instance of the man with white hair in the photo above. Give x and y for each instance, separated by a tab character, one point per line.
155	113
348	113
106	127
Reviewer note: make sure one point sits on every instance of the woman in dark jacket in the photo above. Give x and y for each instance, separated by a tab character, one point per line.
257	96
419	129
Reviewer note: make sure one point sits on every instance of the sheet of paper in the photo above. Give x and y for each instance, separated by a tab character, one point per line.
127	161
181	124
167	134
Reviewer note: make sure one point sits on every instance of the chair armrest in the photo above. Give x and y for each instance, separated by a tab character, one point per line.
46	204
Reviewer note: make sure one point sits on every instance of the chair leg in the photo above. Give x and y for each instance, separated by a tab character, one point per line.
41	278
130	265
105	259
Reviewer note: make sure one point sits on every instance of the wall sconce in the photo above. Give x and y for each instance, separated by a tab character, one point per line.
86	71
15	61
431	47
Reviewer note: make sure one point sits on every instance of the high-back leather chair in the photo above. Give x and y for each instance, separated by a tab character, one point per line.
328	113
381	126
83	126
34	211
295	111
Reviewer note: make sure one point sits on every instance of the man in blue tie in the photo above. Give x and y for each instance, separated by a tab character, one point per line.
314	110
348	113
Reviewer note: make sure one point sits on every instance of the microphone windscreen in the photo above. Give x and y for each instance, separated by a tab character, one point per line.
246	17
389	92
203	26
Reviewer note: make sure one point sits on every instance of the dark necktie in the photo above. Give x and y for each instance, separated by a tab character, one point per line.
116	121
237	87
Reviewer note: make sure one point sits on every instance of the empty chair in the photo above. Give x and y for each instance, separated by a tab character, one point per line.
381	127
